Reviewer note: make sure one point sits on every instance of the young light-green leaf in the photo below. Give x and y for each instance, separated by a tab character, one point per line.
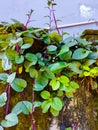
45	94
55	84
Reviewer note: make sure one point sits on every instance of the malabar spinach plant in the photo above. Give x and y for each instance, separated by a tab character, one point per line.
51	69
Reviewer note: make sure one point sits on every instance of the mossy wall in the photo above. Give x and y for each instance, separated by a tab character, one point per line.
84	104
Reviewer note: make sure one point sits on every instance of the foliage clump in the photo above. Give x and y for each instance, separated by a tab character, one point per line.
51	69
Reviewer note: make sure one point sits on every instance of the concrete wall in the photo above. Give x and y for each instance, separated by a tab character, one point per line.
71	11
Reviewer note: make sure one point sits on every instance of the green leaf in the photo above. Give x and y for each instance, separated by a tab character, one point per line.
45	106
22	106
11	77
69	128
11	54
19	59
69	94
66	56
55	84
82	42
93	55
80	53
37	104
41	82
68	39
26	46
75	67
56	104
74	85
57	66
54	112
64	79
48	74
33	73
51	48
45	94
63	50
31	57
10	120
3	76
26	107
68	89
3	99
60	93
18	84
6	64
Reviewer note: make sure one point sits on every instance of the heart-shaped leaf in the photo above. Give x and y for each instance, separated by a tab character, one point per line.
10	120
80	53
18	84
23	106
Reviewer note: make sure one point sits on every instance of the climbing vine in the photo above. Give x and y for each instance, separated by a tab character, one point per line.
52	69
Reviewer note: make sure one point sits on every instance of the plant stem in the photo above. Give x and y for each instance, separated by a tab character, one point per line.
29	17
54	18
31	114
8	100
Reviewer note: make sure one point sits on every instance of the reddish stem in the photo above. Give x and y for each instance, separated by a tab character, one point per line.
28	20
31	115
54	18
8	99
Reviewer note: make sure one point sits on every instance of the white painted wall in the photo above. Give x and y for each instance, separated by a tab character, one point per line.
71	11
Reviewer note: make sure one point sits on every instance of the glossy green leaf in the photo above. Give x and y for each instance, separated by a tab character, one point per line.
57	66
45	106
37	104
69	94
51	48
54	112
11	54
41	82
64	79
55	84
49	74
74	85
31	57
93	55
64	49
56	104
11	77
6	64
10	120
45	94
3	76
3	99
68	89
33	73
22	106
80	53
18	84
66	56
26	107
75	67
19	59
60	93
26	46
